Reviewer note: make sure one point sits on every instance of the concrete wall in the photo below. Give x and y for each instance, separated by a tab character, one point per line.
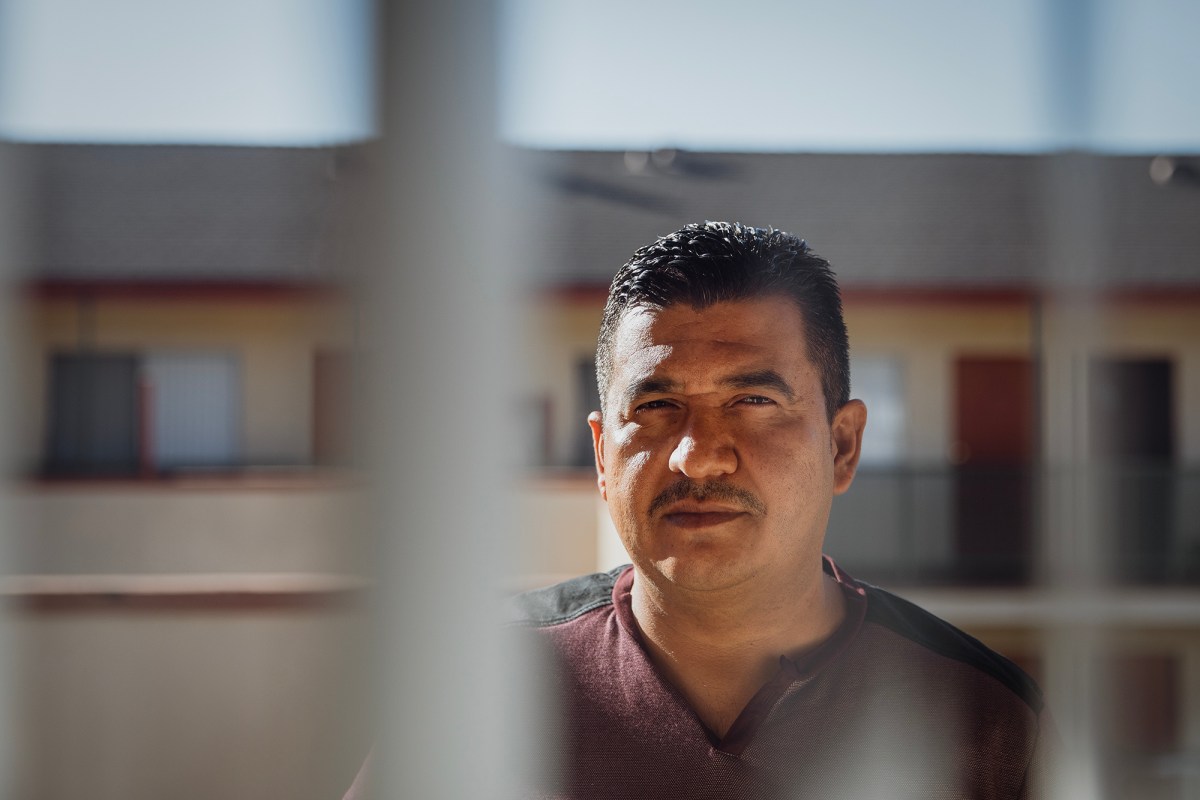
189	704
206	659
559	534
285	526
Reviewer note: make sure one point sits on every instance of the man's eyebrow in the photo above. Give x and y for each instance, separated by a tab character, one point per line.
648	385
761	379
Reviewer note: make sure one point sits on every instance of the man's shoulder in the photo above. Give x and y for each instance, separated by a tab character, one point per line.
563	602
910	621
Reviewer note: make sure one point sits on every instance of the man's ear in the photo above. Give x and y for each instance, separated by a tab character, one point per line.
596	423
847	433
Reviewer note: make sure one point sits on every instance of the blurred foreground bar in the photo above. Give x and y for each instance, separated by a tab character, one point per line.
438	304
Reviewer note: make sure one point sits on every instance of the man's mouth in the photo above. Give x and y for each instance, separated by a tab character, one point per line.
696	518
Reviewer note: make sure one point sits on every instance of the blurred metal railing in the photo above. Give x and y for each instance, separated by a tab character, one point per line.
958	526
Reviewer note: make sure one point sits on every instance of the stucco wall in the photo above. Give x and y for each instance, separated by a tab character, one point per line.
288	527
189	704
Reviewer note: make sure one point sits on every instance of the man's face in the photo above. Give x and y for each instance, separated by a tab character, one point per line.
715	454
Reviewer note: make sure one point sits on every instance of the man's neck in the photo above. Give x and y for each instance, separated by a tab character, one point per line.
720	648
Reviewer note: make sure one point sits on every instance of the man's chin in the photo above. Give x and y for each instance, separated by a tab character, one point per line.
696	573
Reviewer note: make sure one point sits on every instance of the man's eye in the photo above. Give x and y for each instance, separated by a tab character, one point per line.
653	405
757	400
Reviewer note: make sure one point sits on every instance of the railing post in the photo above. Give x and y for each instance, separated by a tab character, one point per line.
437	302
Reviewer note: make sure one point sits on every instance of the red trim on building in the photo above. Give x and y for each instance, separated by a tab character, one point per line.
188	601
158	290
576	293
945	295
300	479
1184	295
153	593
882	294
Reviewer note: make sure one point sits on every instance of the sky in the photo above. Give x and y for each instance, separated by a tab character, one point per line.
250	72
856	75
852	76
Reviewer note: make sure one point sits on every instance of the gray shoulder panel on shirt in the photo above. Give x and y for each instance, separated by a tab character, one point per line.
917	624
565	601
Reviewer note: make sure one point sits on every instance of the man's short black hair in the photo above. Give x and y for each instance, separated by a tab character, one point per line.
704	264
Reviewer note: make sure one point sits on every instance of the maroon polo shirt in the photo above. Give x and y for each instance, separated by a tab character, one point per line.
896	704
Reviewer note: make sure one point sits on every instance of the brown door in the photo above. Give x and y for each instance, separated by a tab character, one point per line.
1129	410
1131	440
332	408
994	451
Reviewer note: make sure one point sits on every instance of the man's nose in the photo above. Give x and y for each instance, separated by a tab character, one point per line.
705	450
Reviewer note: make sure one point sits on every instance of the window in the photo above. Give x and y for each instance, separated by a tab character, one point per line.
879	382
95	414
125	413
192	409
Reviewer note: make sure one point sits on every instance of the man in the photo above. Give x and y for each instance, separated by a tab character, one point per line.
732	659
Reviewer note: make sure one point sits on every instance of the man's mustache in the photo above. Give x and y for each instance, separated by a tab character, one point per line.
688	489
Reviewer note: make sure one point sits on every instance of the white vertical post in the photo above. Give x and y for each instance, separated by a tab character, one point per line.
9	254
1071	553
436	308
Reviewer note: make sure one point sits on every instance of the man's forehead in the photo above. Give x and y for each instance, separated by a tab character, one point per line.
754	334
636	328
754	321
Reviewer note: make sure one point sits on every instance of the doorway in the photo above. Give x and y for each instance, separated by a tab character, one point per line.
994	452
